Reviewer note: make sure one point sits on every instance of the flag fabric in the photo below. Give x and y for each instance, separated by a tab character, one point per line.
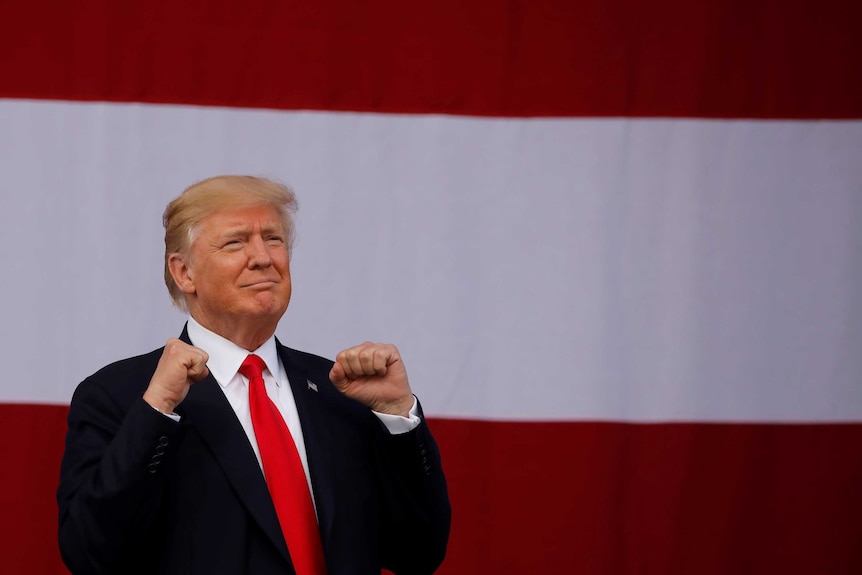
619	246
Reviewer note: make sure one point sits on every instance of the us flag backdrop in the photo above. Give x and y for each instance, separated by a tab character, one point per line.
618	243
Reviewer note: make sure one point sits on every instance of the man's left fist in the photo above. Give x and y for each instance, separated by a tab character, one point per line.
374	375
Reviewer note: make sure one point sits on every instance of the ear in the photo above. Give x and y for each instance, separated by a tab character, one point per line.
181	272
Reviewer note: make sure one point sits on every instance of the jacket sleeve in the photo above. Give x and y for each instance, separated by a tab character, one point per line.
415	510
111	479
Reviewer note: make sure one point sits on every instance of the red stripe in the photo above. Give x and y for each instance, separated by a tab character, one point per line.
562	498
675	58
612	498
30	450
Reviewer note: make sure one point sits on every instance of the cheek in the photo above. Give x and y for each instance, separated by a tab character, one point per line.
282	262
221	275
286	281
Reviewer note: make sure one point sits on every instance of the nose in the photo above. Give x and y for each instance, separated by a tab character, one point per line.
258	254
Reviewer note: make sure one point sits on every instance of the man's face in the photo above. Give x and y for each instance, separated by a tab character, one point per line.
239	269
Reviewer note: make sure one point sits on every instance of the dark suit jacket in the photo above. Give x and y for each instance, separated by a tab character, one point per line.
140	493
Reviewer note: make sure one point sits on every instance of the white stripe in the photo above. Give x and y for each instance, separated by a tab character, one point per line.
633	270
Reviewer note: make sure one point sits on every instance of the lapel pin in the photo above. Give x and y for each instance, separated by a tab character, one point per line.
311	385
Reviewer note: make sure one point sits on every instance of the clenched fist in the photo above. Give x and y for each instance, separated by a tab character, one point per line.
374	375
180	366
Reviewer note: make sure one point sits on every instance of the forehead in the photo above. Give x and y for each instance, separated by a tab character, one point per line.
225	220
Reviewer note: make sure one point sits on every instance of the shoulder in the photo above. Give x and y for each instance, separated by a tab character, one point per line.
131	365
120	382
304	359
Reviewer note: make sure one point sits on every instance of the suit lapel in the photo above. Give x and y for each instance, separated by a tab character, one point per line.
310	407
208	411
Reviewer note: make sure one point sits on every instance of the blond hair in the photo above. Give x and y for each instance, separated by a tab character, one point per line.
184	214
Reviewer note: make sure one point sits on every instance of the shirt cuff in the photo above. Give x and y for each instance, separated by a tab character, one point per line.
176	417
397	424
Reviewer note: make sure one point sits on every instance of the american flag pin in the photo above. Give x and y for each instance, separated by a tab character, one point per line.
311	385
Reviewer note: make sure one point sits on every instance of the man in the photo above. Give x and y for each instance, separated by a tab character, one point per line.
173	462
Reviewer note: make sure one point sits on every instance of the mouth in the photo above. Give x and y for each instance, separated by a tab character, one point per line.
260	284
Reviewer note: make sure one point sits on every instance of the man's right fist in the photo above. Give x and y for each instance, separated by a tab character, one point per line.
180	366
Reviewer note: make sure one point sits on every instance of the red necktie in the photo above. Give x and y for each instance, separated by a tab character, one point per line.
285	477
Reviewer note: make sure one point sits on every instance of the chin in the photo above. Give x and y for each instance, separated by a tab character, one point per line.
269	306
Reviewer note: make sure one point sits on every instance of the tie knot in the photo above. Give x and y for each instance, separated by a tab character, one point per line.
252	367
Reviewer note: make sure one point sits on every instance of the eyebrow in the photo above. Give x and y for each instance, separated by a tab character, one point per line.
272	228
246	230
233	232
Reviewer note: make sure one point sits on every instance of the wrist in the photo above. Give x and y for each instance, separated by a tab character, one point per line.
401	407
160	404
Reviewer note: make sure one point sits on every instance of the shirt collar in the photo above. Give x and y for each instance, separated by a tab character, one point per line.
226	357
